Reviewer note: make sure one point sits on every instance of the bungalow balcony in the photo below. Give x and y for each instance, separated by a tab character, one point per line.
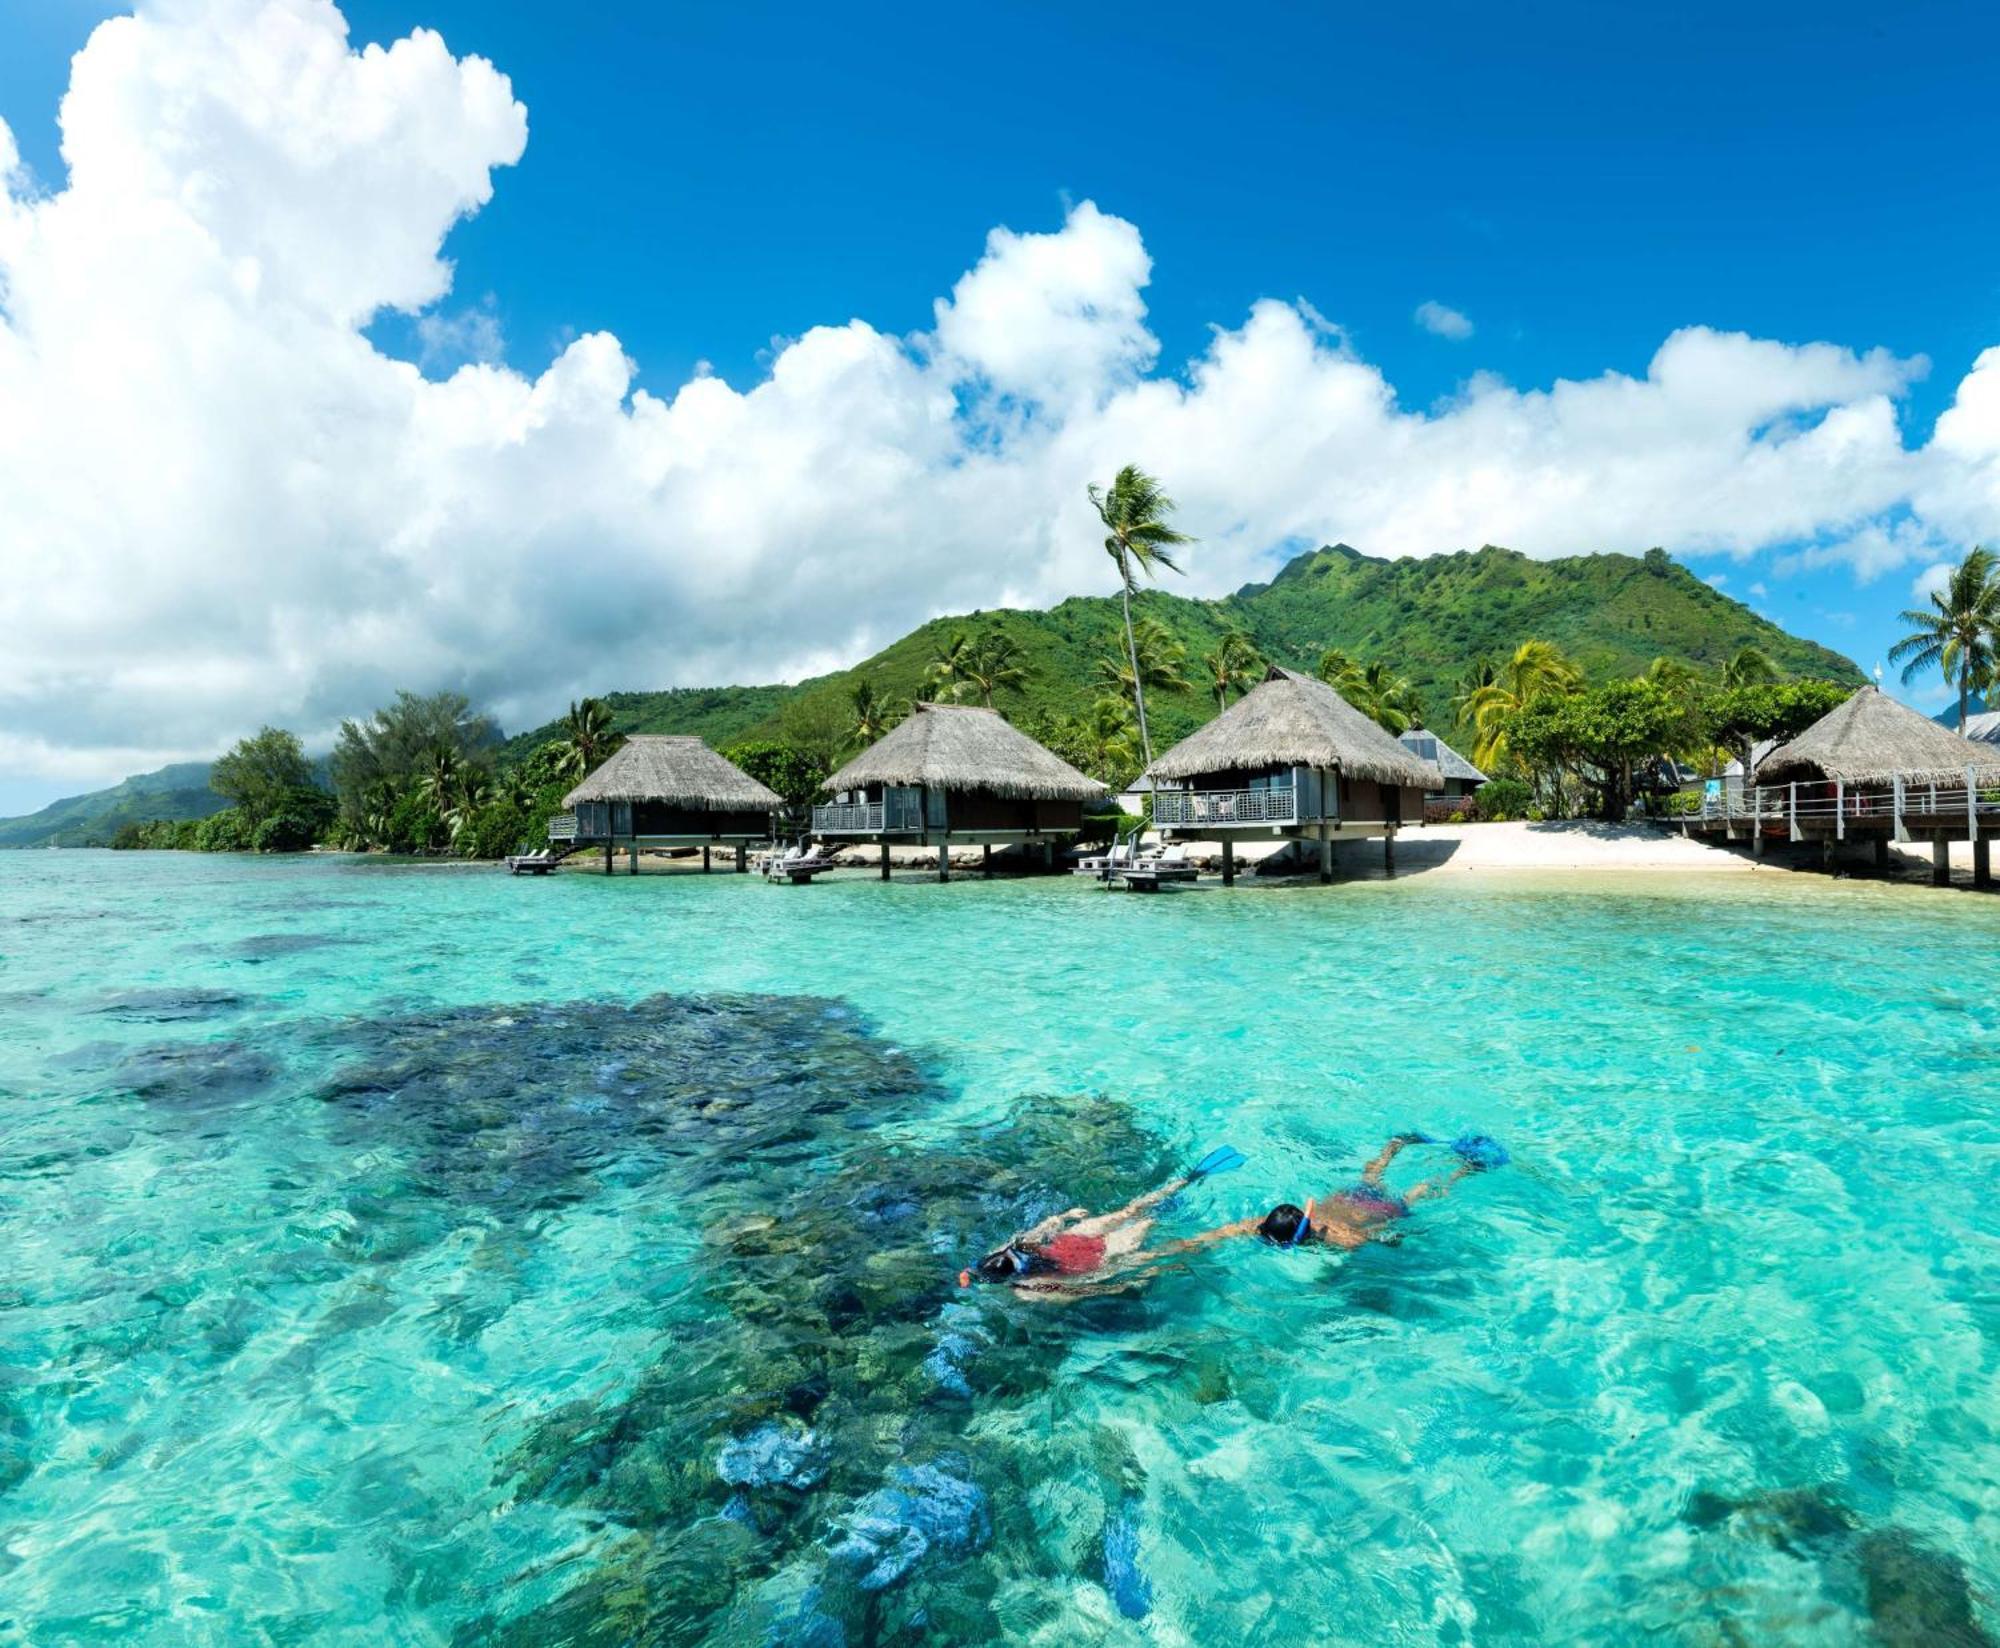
899	812
1276	805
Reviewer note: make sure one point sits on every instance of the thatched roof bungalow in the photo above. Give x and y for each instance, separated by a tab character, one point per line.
658	790
1877	770
955	773
1869	740
1290	758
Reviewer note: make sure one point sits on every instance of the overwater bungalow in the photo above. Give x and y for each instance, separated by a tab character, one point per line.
1290	759
1872	770
953	774
658	790
1461	778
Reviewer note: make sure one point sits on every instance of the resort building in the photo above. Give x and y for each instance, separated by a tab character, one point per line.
953	774
1461	778
662	791
1871	770
1292	759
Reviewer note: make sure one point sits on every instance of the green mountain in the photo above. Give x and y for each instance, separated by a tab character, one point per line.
1430	620
176	792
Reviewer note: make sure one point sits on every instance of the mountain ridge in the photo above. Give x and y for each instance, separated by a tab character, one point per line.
1430	619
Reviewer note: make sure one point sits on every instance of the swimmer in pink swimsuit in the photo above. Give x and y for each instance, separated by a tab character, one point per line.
1075	1251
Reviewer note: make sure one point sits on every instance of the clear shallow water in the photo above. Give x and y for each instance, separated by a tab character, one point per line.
396	1252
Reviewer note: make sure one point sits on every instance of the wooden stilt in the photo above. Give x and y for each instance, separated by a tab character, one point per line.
1229	864
704	858
1325	857
1881	855
944	861
632	857
885	861
742	858
986	858
1940	861
1389	853
1827	852
607	855
1982	863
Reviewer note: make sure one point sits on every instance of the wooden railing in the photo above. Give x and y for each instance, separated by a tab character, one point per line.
562	827
1191	809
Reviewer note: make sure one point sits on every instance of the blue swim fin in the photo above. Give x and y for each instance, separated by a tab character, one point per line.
1219	1160
1481	1153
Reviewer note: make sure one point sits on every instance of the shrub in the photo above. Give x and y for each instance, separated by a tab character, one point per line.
288	831
1681	803
1503	798
225	832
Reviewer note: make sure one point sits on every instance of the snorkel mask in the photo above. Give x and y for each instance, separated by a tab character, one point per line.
1018	1264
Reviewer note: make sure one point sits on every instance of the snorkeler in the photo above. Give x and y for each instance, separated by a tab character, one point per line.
1074	1247
1362	1212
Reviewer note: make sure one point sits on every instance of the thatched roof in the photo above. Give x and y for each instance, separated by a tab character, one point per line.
1453	765
964	747
681	772
1871	738
1290	720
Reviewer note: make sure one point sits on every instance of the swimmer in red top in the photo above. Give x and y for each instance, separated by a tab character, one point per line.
1076	1246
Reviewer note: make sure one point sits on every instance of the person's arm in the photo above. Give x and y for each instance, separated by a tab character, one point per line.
1049	1226
1140	1204
1372	1173
1202	1239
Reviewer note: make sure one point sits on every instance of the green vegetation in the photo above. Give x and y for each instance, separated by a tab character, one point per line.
276	804
1436	632
1958	634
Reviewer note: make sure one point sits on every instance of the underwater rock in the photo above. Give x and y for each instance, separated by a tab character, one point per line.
265	946
895	1528
171	1006
196	1074
769	1457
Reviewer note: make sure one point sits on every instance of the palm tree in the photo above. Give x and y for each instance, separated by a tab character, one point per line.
1234	663
1138	539
1159	658
947	669
1538	669
473	792
873	716
993	662
1387	700
587	736
1959	636
1481	674
1750	667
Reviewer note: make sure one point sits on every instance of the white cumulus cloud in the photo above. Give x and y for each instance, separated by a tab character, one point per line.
222	504
1443	320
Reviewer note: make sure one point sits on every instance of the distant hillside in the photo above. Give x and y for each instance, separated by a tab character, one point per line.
1430	619
176	792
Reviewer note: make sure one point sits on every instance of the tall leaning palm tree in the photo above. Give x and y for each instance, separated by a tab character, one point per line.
1959	634
1138	539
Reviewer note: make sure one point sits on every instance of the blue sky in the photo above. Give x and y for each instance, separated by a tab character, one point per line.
1578	181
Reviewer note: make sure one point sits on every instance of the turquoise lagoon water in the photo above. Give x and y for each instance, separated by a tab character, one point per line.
408	1254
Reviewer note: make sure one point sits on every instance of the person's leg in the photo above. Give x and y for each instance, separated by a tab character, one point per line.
1435	1187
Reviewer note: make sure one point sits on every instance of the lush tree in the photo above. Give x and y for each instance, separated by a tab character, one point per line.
873	715
1138	539
1741	717
394	745
1536	670
794	773
262	774
819	725
1958	635
1234	665
1103	741
228	831
946	672
1597	735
